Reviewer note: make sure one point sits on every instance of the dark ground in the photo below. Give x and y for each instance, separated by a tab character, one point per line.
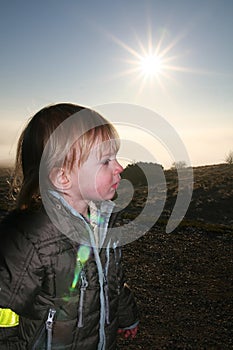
184	289
183	281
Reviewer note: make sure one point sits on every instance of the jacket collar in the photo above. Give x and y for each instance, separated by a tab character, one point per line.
74	225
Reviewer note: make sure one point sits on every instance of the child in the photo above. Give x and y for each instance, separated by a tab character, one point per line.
61	281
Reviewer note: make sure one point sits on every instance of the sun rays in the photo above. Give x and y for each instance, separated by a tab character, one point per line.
151	61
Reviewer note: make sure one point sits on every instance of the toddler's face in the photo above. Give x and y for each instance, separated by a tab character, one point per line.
98	178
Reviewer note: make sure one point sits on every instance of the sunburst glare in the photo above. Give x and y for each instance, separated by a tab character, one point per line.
154	61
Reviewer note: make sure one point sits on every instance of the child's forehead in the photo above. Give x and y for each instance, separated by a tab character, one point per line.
104	147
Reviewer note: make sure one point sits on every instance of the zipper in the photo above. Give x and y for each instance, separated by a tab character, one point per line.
49	327
106	300
41	336
117	255
39	339
83	288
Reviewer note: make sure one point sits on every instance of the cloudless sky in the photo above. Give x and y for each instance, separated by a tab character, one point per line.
87	52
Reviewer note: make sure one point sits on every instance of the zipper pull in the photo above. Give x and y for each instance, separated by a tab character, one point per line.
84	285
49	327
50	319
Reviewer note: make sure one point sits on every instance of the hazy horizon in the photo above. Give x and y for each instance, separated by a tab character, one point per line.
174	58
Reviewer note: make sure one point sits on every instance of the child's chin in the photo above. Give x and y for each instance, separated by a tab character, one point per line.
109	197
105	197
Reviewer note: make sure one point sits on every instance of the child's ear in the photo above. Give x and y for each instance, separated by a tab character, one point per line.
60	178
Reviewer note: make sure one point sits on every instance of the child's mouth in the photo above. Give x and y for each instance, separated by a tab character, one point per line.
115	186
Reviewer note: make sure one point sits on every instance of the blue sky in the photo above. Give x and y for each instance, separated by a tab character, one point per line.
88	53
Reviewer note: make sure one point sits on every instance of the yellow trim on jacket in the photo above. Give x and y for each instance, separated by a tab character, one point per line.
8	318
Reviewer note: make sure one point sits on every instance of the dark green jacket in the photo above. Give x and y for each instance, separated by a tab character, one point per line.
40	272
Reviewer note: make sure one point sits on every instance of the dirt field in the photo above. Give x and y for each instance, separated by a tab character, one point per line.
183	281
184	288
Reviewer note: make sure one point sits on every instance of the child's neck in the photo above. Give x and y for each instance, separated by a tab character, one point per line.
80	206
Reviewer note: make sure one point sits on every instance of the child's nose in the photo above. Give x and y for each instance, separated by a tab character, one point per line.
118	168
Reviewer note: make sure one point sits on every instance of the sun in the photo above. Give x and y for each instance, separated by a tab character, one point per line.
153	61
151	65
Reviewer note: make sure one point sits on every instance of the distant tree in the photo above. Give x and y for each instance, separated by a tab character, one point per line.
179	165
229	158
138	173
134	174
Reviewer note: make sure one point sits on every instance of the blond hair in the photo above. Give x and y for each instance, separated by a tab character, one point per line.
52	137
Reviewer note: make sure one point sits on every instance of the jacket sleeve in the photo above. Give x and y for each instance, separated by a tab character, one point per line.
127	309
20	271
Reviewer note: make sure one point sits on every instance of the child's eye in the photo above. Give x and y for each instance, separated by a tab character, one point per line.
106	161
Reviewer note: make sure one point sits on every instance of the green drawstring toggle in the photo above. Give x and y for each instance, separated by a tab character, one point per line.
82	256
